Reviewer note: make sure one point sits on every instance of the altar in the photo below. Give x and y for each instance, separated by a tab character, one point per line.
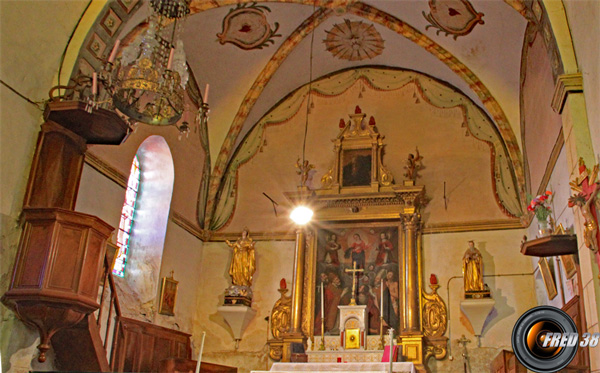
357	268
348	367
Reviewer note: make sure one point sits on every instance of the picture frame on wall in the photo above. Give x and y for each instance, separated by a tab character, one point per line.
373	247
568	262
356	167
168	296
548	278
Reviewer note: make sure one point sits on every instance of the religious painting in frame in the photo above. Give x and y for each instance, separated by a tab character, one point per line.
356	167
548	278
374	249
568	265
168	295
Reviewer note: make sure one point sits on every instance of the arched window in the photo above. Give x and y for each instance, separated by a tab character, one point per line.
127	218
144	217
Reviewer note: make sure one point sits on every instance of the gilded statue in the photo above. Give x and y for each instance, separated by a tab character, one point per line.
303	170
587	188
243	263
413	164
473	269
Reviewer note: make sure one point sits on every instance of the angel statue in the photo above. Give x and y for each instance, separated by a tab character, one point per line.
587	188
243	263
303	170
413	164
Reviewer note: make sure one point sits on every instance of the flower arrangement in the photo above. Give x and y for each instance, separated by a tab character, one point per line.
540	206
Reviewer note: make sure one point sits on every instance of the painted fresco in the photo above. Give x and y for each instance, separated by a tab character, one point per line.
375	251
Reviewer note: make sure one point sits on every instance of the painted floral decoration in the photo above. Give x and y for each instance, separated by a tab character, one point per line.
540	206
354	41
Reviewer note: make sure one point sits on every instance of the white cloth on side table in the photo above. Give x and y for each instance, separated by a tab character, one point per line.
342	367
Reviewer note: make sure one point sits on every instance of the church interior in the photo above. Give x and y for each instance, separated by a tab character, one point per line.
152	153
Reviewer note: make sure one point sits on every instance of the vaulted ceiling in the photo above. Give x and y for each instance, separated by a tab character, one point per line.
255	54
475	46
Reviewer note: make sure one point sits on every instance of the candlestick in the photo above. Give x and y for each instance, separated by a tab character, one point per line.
322	346
113	53
169	64
206	92
381	340
391	332
322	302
381	301
200	355
94	83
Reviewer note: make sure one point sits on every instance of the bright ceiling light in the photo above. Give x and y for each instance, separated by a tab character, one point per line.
301	215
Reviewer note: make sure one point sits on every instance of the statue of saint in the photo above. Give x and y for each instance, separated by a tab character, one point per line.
243	263
413	164
473	269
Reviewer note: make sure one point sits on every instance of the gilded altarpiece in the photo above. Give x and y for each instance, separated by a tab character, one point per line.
359	205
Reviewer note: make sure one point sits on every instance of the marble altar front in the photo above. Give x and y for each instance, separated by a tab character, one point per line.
341	367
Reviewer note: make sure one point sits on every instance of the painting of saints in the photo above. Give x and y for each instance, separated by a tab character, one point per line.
331	251
373	248
333	295
357	251
366	297
385	250
390	299
357	168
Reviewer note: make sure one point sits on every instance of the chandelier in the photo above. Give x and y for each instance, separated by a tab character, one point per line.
149	80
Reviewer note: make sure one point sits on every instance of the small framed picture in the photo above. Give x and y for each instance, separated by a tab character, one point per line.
548	278
168	295
569	265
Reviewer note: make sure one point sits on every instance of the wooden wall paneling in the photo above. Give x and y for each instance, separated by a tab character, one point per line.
56	169
141	346
50	287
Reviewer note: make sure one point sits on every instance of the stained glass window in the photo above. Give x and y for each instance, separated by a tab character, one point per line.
127	217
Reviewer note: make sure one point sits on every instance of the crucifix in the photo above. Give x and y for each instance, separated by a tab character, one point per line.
354	271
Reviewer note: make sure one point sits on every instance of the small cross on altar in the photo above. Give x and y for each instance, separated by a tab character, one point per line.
354	271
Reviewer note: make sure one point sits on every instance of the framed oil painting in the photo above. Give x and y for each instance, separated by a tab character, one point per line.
356	167
568	265
168	295
374	249
548	278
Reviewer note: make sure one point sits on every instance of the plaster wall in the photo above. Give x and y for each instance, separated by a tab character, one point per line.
584	24
274	261
407	121
541	124
571	220
509	277
559	186
182	254
188	162
30	71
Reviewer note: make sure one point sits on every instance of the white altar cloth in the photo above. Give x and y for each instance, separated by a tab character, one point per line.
341	367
